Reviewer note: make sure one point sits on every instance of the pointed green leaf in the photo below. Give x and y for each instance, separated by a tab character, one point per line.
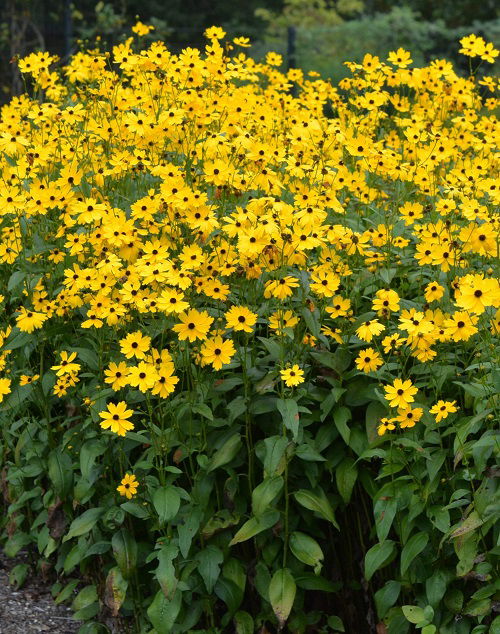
282	591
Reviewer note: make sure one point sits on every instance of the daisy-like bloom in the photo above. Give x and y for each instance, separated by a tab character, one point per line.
386	301
172	301
400	394
135	344
165	381
26	379
5	388
460	326
292	376
29	320
392	342
116	418
240	318
116	375
476	293
142	376
336	334
409	417
433	291
67	364
282	288
368	360
442	409
217	351
128	486
340	306
282	319
400	58
386	424
194	325
369	329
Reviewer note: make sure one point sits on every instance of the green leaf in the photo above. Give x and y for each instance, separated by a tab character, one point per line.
385	512
275	447
84	523
166	501
163	612
265	493
378	556
386	597
340	417
85	604
88	454
60	469
254	526
15	280
413	547
413	613
470	524
226	453
125	552
244	623
307	550
66	592
289	411
165	573
282	591
132	508
316	502
210	560
346	474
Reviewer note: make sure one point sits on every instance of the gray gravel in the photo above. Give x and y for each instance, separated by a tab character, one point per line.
31	609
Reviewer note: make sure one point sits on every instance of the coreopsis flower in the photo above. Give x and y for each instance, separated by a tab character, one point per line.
128	486
116	418
460	326
282	319
433	291
27	379
368	360
5	388
385	425
282	288
400	394
135	344
442	409
116	374
369	329
240	318
143	376
400	58
29	320
292	376
339	307
408	417
194	325
67	364
217	352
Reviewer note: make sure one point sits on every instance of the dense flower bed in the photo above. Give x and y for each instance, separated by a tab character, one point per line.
249	349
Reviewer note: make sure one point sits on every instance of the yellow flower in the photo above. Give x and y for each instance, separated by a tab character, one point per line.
369	329
116	418
433	291
128	486
217	351
400	58
442	409
116	375
400	394
194	325
135	344
386	424
4	388
240	318
292	376
29	320
26	379
67	364
408	417
368	360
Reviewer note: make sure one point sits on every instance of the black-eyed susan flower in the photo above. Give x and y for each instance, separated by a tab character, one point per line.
292	376
400	394
116	418
442	409
128	486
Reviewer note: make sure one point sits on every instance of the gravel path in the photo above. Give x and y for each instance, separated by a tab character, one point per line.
31	609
